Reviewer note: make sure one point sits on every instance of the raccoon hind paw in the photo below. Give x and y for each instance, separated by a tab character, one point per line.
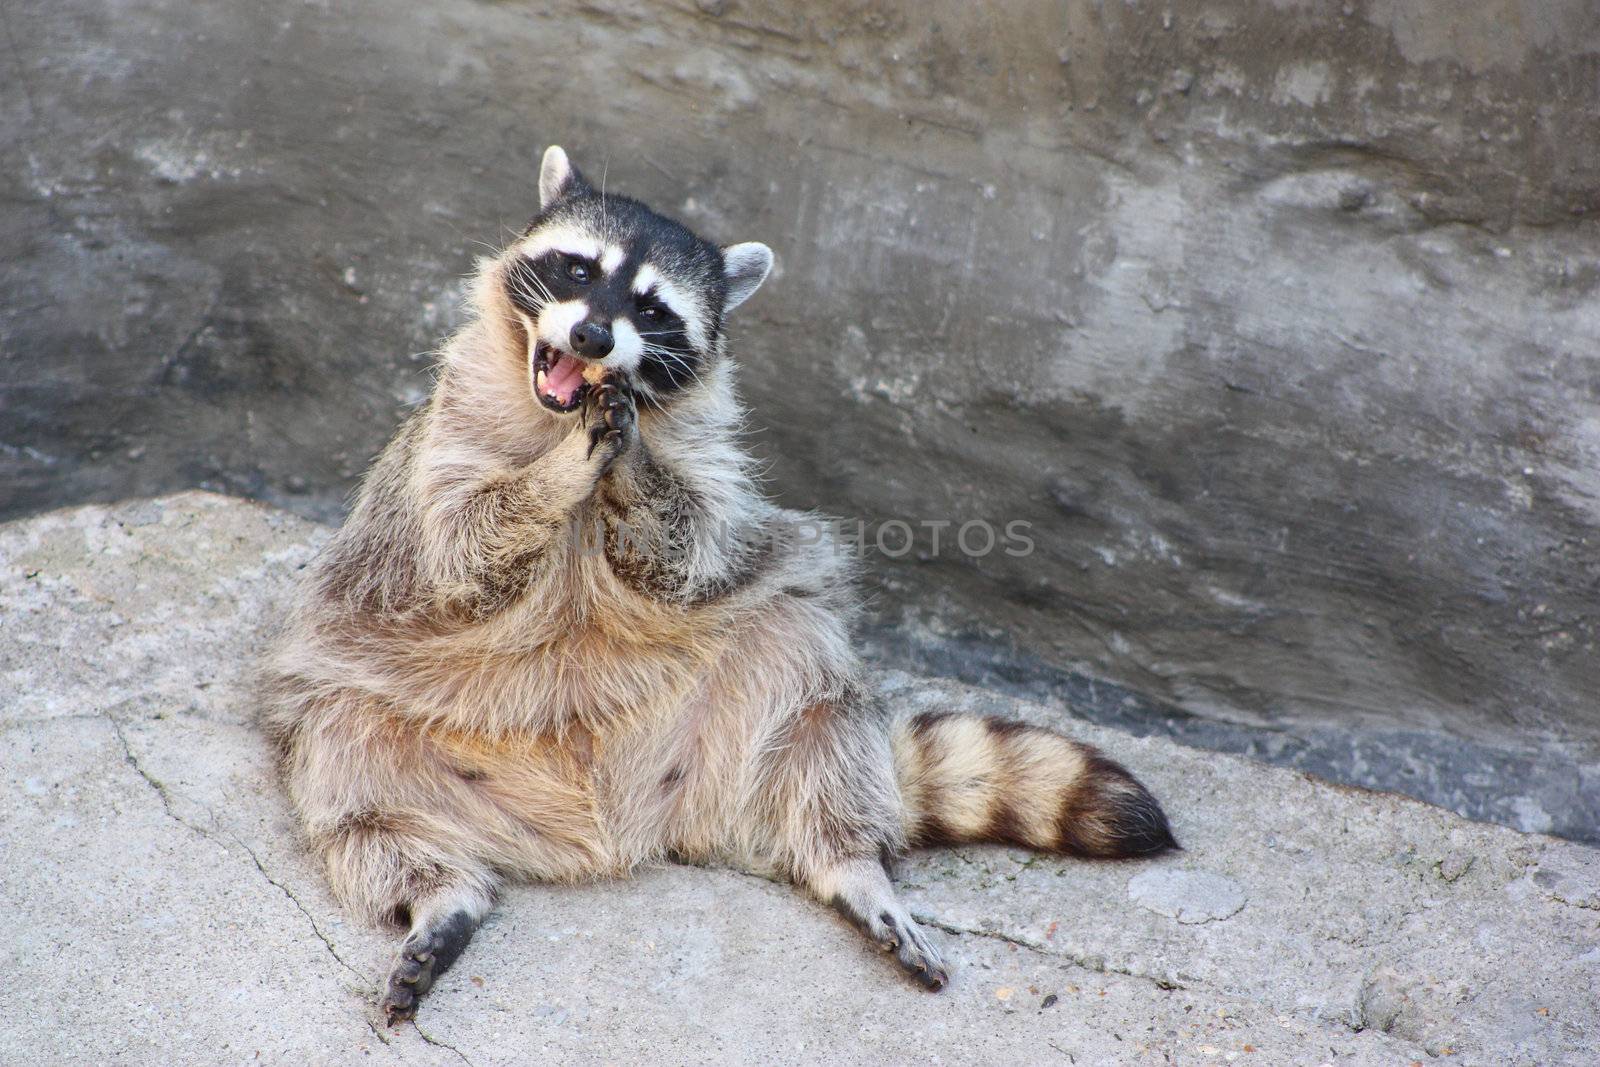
424	955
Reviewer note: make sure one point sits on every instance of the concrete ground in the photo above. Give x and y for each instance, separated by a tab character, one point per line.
160	910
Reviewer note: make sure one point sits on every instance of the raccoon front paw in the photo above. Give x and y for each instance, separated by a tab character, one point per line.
612	421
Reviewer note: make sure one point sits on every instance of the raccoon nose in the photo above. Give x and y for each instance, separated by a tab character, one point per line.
591	339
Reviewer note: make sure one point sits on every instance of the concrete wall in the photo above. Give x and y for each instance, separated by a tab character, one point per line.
1277	320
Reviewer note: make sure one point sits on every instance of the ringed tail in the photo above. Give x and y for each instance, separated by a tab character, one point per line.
974	778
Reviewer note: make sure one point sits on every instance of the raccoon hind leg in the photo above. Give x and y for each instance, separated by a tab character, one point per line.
833	812
381	866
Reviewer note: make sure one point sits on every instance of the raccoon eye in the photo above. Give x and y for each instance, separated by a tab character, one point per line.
651	309
578	271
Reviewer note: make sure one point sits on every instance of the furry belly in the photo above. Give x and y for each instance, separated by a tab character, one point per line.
500	685
589	804
547	785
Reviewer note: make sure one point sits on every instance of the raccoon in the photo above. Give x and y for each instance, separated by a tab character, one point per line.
562	632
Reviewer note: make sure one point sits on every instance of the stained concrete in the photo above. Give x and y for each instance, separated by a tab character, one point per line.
1277	320
160	909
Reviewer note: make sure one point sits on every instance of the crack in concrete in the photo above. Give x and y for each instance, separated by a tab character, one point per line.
366	985
1587	903
1096	964
430	1039
1089	963
1093	964
166	805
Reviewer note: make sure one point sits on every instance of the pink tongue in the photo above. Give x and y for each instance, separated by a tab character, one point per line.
562	378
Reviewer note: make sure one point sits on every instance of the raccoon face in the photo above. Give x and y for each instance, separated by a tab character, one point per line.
605	287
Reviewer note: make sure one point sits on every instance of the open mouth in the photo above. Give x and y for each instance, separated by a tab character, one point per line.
560	379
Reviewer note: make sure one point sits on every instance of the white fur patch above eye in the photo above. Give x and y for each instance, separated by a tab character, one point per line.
573	240
569	239
745	267
646	279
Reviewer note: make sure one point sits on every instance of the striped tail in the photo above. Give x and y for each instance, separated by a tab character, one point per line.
971	778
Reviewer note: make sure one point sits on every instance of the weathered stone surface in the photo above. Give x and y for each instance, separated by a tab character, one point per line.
160	909
1276	320
1187	896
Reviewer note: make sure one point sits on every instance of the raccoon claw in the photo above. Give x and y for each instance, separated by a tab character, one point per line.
398	1006
410	979
916	954
910	944
932	975
612	416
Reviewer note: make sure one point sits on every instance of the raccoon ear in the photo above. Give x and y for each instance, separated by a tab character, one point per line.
744	267
557	177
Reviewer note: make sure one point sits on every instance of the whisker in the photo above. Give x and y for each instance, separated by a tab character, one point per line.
493	250
676	358
529	285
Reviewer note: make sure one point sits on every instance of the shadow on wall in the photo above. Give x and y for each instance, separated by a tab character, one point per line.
1278	325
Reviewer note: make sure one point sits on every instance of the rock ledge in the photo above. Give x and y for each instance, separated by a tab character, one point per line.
161	910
